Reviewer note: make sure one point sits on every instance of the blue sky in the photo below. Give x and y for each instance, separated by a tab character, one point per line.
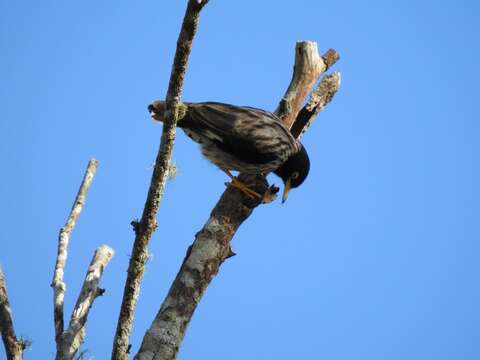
374	257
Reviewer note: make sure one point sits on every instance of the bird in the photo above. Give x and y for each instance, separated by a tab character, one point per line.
243	139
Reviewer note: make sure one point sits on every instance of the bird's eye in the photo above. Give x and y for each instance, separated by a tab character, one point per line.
295	175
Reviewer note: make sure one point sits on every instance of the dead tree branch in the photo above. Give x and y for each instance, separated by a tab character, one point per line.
73	337
69	341
148	223
13	347
212	243
309	65
58	284
319	98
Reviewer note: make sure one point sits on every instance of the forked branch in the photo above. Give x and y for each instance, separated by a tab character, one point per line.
319	98
58	284
73	336
309	65
68	341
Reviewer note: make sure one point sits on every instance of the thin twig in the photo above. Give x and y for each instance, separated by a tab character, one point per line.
212	243
73	337
58	284
13	347
148	223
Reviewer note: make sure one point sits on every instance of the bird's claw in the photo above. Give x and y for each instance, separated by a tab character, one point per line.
245	189
271	194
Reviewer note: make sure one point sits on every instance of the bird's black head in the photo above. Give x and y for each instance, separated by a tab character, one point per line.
294	171
157	110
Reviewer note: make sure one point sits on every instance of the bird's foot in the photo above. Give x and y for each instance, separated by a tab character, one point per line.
245	189
271	194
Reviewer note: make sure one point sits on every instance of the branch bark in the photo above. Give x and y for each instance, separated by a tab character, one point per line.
13	347
319	98
309	65
58	284
148	223
69	341
212	243
73	337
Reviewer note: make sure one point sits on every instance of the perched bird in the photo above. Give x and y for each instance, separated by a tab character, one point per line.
243	139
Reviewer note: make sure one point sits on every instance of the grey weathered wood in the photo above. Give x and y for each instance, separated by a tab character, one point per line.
68	341
309	65
58	284
73	336
13	347
319	98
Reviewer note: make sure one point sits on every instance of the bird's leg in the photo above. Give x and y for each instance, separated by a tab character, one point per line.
241	186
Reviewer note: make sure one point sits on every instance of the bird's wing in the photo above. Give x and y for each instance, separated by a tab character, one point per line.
252	135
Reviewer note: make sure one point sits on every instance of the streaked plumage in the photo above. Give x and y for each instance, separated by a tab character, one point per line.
243	139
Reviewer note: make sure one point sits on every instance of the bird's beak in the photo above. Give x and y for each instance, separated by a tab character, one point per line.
286	189
156	110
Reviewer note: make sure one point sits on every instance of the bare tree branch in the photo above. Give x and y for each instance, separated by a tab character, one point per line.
73	337
212	243
210	248
319	98
13	347
68	341
148	223
309	65
58	284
